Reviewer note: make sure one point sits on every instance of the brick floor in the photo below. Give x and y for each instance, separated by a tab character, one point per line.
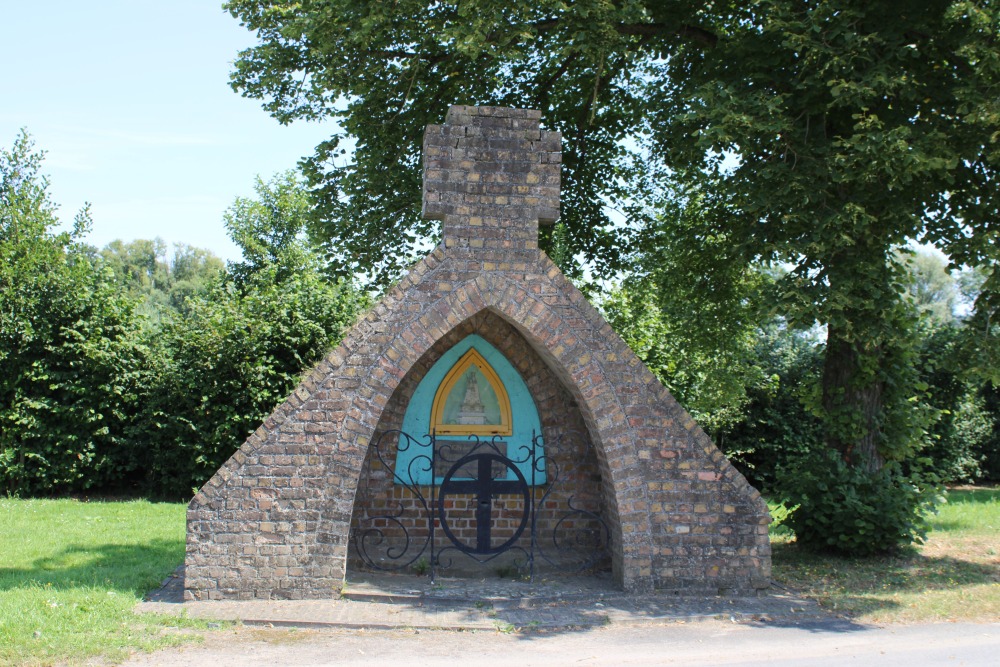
393	601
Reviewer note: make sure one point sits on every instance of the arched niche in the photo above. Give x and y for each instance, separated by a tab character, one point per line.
509	415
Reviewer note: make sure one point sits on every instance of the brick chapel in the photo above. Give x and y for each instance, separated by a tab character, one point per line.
483	346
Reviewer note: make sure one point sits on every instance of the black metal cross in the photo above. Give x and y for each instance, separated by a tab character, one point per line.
484	487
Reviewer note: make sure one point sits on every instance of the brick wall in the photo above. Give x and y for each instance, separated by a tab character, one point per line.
275	520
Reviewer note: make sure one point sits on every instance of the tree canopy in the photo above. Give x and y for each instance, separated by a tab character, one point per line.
162	282
819	136
386	71
843	92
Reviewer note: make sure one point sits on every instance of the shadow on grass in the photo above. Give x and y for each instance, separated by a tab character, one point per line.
125	568
981	495
866	584
947	525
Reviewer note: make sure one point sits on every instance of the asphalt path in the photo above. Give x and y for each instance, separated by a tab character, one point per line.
809	644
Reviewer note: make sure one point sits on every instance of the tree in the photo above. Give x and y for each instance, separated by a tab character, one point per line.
71	345
162	283
240	346
960	436
693	316
269	229
856	128
386	71
962	448
934	291
822	135
777	426
192	271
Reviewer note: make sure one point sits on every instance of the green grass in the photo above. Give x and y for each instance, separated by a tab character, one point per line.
71	573
954	575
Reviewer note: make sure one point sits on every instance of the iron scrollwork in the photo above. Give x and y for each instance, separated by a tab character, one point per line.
477	471
399	549
578	539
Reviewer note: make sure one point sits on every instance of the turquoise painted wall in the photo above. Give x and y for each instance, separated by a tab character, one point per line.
524	415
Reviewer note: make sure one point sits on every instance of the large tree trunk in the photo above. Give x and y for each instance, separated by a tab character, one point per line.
852	400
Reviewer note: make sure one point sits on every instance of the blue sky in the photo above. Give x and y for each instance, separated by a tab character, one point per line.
130	100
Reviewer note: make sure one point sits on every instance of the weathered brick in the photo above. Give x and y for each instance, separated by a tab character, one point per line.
682	518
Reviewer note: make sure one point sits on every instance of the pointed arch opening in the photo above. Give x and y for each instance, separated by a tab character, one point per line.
574	479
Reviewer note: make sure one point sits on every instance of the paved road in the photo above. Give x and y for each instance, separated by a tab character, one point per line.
818	644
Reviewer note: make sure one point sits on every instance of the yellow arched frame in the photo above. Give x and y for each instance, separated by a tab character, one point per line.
467	361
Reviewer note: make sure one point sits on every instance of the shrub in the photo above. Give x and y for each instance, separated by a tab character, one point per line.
228	362
988	449
845	510
238	347
960	455
777	426
960	436
72	353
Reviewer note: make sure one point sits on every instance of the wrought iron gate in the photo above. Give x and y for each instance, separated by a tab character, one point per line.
506	490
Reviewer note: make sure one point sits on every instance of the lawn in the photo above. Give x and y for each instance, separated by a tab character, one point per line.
954	576
71	572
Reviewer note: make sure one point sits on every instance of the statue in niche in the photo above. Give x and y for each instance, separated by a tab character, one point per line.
472	411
